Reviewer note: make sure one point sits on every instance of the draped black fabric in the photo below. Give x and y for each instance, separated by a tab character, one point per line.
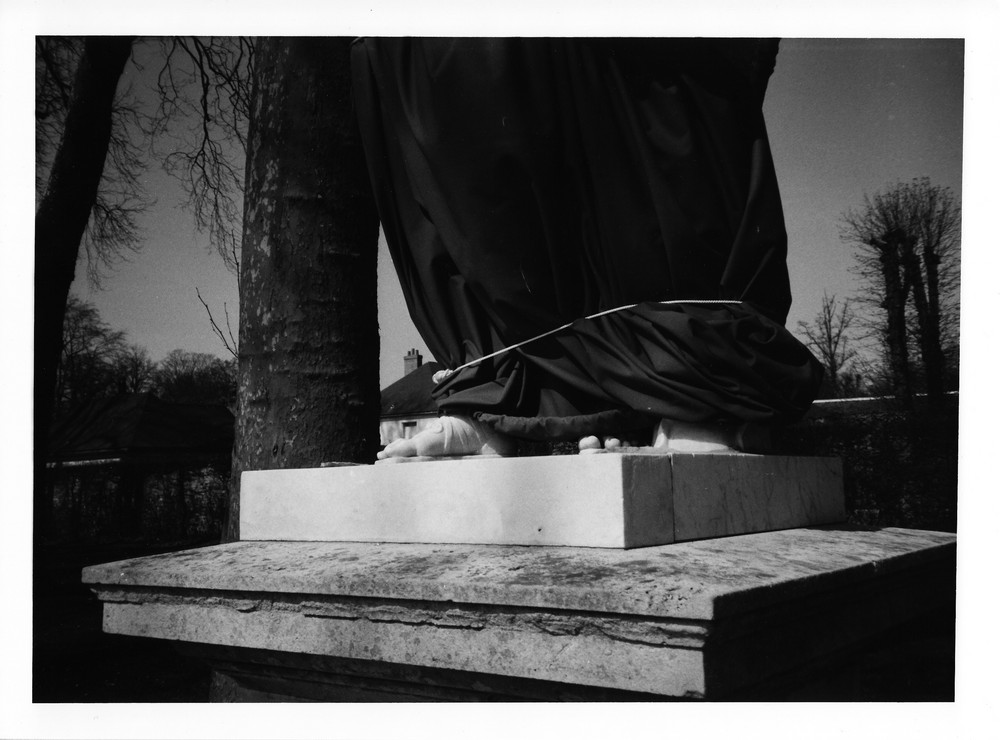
526	183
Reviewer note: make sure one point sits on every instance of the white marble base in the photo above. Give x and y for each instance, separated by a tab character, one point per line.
612	500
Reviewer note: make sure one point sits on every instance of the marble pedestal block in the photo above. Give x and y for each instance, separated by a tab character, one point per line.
610	500
712	619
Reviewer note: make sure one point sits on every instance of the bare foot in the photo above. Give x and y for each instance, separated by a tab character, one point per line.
674	436
592	444
450	436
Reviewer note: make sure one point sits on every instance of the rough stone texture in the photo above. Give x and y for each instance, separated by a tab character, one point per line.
692	580
697	619
611	500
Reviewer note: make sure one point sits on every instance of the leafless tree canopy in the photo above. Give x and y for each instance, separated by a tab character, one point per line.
829	337
98	361
199	129
90	348
133	371
907	249
193	120
196	377
183	104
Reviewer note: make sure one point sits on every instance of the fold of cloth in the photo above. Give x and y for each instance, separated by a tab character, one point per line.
525	183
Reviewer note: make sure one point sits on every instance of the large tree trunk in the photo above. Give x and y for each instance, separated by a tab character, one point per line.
308	368
895	307
928	327
61	220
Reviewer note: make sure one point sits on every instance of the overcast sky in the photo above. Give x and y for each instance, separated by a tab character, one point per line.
845	117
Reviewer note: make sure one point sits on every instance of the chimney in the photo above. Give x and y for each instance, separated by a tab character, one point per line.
411	361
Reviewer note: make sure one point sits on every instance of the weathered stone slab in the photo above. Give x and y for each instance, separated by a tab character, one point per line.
720	495
696	619
611	500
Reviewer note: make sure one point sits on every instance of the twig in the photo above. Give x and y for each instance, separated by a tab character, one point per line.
229	343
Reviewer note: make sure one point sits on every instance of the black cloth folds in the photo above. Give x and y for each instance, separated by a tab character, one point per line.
526	183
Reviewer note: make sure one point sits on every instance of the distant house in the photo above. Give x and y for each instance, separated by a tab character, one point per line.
133	466
407	406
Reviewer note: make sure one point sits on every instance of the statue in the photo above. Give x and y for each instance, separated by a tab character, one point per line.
589	233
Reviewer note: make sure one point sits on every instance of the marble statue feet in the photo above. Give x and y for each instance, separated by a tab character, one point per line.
675	436
594	444
449	436
672	436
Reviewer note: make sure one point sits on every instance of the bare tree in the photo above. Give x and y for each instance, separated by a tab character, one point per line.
111	231
907	241
132	370
90	154
829	336
61	218
89	350
196	377
193	121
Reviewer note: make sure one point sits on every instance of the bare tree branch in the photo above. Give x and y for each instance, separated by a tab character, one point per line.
227	338
208	81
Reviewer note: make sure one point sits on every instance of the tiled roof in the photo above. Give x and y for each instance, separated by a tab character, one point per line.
411	394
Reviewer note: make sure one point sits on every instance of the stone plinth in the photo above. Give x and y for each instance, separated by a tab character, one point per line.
357	621
610	500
